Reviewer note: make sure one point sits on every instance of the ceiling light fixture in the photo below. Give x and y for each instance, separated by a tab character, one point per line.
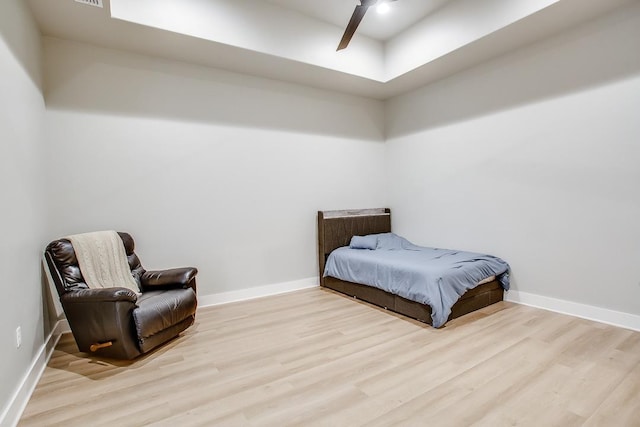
383	8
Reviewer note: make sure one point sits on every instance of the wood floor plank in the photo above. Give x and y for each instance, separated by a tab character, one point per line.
317	358
622	406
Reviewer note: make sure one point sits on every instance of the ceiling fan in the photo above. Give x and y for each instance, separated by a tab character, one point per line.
356	18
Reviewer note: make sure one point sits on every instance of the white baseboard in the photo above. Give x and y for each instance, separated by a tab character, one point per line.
589	312
63	326
18	402
257	292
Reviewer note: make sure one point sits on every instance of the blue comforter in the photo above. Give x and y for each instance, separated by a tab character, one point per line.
437	277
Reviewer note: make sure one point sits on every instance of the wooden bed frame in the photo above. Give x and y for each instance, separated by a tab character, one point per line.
335	229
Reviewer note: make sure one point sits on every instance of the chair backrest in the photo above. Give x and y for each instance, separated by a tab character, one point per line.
63	264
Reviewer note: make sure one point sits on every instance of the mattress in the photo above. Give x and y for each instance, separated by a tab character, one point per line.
432	276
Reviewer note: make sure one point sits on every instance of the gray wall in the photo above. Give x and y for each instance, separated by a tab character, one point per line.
534	157
205	167
22	191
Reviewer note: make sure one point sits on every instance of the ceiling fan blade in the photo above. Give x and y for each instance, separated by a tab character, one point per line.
355	20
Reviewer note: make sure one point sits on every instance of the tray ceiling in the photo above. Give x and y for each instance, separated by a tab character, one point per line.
417	42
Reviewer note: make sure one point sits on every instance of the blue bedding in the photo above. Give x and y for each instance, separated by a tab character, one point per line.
436	277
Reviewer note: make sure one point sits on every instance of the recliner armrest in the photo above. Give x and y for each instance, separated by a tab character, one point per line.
175	277
98	316
99	295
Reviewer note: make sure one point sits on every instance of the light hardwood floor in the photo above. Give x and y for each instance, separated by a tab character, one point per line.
317	358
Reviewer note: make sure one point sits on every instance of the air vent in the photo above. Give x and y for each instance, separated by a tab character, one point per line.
96	3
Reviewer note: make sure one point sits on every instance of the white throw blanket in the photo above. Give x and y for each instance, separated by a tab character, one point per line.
103	260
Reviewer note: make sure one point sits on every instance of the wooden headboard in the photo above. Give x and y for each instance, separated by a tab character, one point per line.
336	228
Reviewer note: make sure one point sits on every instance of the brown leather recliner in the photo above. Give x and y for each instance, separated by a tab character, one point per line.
116	322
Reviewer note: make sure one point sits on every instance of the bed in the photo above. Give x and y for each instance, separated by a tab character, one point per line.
336	229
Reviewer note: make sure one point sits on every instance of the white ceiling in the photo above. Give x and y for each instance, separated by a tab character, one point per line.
418	42
402	14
